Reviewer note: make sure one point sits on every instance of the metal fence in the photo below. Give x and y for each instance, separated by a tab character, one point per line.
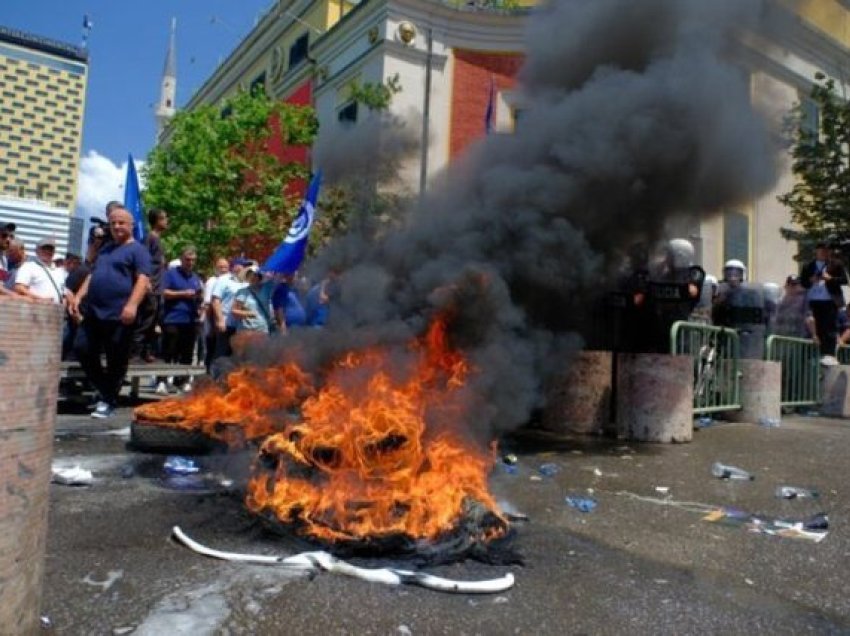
800	359
715	352
843	354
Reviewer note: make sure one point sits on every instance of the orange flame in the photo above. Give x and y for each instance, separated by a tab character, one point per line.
378	452
249	406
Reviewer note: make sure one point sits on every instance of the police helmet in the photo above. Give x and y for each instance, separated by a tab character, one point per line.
734	271
681	253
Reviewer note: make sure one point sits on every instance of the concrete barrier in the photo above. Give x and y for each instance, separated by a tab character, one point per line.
761	391
29	382
579	400
655	397
835	391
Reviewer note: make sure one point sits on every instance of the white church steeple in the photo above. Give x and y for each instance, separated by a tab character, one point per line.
167	106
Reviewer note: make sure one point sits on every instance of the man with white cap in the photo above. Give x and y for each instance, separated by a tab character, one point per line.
38	278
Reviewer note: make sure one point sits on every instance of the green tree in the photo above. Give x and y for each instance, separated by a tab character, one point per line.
224	190
819	202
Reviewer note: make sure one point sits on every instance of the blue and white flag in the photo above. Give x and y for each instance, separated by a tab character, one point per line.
289	254
133	199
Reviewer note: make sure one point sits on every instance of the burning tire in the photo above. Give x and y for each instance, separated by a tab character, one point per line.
155	438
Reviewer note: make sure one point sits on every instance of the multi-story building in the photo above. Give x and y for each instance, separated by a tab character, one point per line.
448	54
42	102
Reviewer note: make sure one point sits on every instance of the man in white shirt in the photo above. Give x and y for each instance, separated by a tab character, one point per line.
38	278
223	293
222	268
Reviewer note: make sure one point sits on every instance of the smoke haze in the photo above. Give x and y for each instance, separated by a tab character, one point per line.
634	113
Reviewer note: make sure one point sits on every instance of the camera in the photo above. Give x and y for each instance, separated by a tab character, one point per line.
99	230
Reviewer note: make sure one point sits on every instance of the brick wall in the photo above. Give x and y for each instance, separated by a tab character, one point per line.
29	380
471	91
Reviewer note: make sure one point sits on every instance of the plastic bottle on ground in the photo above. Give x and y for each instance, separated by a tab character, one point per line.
793	492
722	471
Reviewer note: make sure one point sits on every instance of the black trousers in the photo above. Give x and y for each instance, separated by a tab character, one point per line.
825	313
178	344
144	331
97	337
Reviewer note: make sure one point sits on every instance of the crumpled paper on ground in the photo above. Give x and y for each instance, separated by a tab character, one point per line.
73	476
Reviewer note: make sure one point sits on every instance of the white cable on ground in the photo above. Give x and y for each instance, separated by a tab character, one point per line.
320	560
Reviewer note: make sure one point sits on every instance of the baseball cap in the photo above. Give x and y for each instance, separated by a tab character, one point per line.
47	241
253	269
239	261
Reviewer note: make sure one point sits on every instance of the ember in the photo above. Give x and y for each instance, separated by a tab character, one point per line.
379	457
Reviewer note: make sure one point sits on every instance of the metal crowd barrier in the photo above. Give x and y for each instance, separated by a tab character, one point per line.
843	354
800	360
715	351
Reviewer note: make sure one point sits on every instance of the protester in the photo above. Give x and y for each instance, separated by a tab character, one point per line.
7	233
288	310
252	305
792	310
182	294
222	268
38	278
145	335
823	278
112	293
317	302
221	303
16	255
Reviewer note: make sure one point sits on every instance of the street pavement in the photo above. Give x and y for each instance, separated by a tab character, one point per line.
631	566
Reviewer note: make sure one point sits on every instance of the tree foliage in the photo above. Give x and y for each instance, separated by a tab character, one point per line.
819	202
225	192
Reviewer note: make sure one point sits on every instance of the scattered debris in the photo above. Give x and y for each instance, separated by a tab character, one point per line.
46	623
704	422
73	476
120	631
187	482
322	561
549	469
404	630
749	582
536	478
582	504
722	471
177	465
510	459
662	489
123	433
813	528
111	577
128	471
793	492
769	422
511	511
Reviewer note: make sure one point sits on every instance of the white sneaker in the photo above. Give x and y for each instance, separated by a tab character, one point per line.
161	389
102	411
829	361
186	388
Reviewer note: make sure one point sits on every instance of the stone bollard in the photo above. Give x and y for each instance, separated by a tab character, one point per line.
579	400
761	391
655	397
835	391
29	383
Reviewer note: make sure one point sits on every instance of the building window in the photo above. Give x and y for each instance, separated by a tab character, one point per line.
347	115
736	237
258	84
809	115
298	51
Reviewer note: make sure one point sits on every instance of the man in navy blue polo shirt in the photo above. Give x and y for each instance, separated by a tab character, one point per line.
183	292
117	284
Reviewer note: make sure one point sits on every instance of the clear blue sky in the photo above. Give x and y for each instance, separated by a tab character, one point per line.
127	47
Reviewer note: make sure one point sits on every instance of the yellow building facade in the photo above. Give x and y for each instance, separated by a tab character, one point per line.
42	103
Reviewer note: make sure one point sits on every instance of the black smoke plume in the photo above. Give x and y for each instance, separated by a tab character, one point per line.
634	113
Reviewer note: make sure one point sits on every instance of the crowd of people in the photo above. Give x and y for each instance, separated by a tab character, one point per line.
126	303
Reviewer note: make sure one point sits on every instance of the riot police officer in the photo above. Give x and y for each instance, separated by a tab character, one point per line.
740	305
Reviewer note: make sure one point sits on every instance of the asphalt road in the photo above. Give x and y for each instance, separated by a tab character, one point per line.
631	566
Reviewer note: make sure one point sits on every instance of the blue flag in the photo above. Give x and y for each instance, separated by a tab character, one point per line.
133	199
289	254
490	114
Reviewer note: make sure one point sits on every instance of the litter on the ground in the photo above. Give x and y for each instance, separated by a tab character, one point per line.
769	422
662	489
580	503
73	476
793	492
722	471
510	459
813	528
549	469
704	422
176	465
322	561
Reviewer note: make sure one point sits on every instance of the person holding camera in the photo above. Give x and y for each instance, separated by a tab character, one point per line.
118	281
